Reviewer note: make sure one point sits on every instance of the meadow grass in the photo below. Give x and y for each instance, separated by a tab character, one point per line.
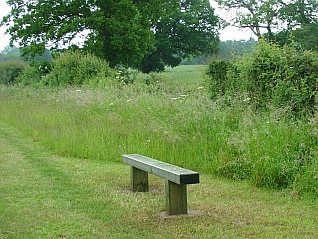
175	122
43	195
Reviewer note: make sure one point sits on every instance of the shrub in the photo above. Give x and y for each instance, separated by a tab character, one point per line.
10	70
35	72
217	81
266	69
76	68
125	75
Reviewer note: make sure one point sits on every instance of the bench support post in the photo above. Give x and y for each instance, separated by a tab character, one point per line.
176	198
139	180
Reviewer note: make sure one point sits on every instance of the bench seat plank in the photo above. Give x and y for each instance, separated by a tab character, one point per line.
168	171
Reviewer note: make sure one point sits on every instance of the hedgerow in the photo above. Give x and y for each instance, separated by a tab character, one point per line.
270	75
10	70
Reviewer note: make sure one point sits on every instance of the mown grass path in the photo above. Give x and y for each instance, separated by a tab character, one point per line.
47	196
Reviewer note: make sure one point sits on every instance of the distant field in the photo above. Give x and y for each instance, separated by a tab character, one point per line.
191	74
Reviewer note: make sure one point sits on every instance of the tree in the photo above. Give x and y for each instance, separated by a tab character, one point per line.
258	16
270	16
307	36
301	19
120	31
188	29
116	30
299	13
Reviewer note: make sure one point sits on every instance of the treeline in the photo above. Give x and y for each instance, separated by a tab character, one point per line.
16	54
226	50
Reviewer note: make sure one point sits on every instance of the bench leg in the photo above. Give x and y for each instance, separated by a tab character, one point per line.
139	180
176	198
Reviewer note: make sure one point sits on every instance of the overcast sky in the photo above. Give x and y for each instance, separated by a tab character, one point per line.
230	33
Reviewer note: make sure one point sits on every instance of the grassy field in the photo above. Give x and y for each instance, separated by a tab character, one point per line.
47	196
61	176
171	119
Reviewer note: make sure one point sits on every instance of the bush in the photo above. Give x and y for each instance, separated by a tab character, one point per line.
125	75
76	68
10	70
298	89
285	77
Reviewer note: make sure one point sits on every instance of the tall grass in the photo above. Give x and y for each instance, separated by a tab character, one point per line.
181	126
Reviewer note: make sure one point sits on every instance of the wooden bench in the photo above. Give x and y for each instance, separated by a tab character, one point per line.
176	180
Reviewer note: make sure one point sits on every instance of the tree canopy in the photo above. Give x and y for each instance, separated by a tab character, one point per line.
189	28
128	32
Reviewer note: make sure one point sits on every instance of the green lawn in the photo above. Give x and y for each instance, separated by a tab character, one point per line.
46	196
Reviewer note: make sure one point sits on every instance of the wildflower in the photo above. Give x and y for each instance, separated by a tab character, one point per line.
173	98
247	99
78	90
129	100
200	88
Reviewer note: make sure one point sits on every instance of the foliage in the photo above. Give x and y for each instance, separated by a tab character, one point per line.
10	70
153	62
75	68
122	32
300	12
271	75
